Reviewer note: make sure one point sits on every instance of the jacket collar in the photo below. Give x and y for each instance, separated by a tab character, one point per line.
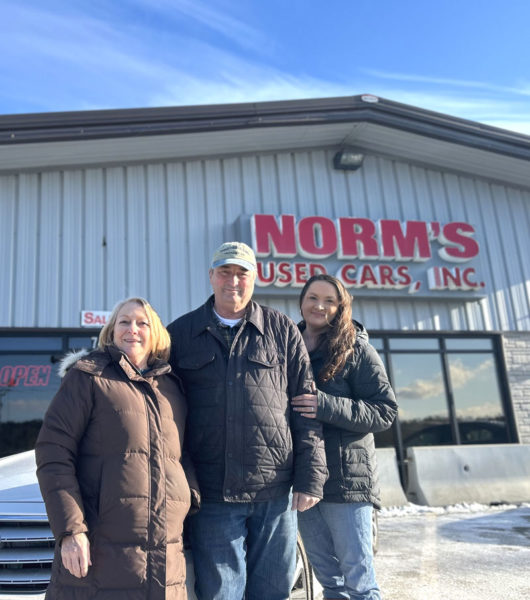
205	317
96	361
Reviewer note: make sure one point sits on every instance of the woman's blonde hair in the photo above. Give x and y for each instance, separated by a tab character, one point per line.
160	340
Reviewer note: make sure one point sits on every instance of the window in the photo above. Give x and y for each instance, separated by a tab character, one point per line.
28	382
448	390
419	386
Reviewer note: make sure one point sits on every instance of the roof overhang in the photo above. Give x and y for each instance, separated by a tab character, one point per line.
90	138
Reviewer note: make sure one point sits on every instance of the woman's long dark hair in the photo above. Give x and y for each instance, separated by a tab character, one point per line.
339	339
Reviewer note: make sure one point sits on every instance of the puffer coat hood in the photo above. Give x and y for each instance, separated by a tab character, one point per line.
108	463
352	406
69	360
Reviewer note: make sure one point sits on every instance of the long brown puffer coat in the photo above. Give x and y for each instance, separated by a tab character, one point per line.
108	463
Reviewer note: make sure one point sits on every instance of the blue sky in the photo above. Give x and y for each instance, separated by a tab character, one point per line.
466	58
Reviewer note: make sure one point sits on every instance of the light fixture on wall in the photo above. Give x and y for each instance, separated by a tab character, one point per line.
348	159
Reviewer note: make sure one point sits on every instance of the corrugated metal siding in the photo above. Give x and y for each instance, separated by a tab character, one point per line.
83	239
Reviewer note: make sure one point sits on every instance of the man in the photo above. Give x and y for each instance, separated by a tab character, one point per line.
241	363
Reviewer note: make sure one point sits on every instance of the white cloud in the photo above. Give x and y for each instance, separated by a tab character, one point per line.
217	20
422	389
522	89
460	375
488	410
257	86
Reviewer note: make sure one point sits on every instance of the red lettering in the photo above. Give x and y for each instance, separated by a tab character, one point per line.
317	237
28	375
367	277
19	373
269	237
386	274
33	375
265	275
44	375
284	274
6	376
404	276
433	278
89	318
451	279
316	269
444	278
469	283
357	239
461	247
413	244
300	274
346	275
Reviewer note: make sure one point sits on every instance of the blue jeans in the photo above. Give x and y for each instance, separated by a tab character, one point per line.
244	550
338	541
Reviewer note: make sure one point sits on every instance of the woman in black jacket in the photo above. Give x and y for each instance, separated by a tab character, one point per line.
353	401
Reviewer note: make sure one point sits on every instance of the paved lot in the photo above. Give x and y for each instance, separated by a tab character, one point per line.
478	554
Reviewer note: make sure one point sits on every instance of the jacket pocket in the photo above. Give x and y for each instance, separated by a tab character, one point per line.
199	371
265	358
265	370
194	362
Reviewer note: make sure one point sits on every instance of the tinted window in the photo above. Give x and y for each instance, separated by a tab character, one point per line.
413	343
420	392
468	344
31	343
27	384
77	343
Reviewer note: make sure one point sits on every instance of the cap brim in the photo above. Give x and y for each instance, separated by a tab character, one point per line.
234	261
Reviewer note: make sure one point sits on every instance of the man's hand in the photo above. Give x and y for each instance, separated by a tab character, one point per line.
75	552
303	502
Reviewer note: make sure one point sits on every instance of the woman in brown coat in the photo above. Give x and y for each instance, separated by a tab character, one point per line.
109	467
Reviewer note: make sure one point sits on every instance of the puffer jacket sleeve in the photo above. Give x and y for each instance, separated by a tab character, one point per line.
56	450
372	406
191	476
310	471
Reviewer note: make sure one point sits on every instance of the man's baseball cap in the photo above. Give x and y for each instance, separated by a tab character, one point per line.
234	253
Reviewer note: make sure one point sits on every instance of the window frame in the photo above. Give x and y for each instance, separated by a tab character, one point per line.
496	352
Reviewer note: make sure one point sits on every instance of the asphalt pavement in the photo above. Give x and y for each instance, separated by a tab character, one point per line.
457	553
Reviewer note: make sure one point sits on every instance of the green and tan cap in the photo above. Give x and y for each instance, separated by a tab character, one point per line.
234	253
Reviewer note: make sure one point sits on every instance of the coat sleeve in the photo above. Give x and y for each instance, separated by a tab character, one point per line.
56	454
372	406
310	471
189	470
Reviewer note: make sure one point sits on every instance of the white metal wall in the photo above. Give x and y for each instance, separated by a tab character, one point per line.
83	239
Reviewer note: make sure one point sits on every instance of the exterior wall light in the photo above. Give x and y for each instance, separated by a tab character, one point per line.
348	160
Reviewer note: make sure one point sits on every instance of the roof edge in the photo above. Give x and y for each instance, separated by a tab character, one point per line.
131	122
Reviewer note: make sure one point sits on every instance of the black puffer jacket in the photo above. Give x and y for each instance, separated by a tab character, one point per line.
245	441
354	405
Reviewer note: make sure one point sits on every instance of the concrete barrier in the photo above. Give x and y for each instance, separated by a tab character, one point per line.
392	493
487	474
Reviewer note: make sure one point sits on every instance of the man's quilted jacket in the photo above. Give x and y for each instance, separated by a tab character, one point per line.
245	441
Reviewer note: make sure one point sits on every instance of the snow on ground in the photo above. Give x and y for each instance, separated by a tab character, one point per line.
417	509
459	552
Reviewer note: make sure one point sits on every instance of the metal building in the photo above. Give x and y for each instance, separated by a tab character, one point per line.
424	216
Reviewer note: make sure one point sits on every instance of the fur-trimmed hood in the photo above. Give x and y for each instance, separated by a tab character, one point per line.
95	361
69	360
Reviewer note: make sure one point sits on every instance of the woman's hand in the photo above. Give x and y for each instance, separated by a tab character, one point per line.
75	553
303	502
306	405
